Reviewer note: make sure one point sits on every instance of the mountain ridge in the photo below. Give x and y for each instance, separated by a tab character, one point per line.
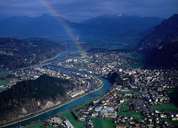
102	28
160	46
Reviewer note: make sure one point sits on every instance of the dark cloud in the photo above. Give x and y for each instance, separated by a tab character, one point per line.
82	9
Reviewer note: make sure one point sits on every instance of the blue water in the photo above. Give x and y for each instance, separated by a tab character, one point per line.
82	100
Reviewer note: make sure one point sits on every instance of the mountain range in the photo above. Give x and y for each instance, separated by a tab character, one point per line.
113	30
155	38
26	27
160	45
100	31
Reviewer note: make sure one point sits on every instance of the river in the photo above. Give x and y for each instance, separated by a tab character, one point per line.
68	106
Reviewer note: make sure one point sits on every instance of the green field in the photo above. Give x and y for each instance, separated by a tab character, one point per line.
3	76
166	108
175	123
77	124
103	123
3	82
124	111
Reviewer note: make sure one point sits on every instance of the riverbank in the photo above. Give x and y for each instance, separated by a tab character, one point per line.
39	113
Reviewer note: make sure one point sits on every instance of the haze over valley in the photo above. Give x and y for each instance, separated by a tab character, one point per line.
88	64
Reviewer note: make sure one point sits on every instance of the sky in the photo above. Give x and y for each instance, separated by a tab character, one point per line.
84	9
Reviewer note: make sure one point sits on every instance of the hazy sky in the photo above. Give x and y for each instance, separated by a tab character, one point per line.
82	9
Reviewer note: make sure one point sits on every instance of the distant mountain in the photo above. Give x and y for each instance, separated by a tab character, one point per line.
160	46
102	31
44	26
16	53
114	30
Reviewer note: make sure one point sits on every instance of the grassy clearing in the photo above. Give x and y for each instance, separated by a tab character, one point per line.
124	111
103	123
2	76
175	123
3	82
166	108
77	124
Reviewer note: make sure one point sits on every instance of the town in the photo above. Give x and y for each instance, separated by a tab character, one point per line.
138	97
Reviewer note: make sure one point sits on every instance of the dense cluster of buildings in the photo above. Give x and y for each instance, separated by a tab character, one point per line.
135	96
98	63
59	122
133	103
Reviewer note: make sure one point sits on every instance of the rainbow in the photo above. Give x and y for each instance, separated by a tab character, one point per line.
52	9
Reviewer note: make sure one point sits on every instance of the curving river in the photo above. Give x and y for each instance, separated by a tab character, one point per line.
68	106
